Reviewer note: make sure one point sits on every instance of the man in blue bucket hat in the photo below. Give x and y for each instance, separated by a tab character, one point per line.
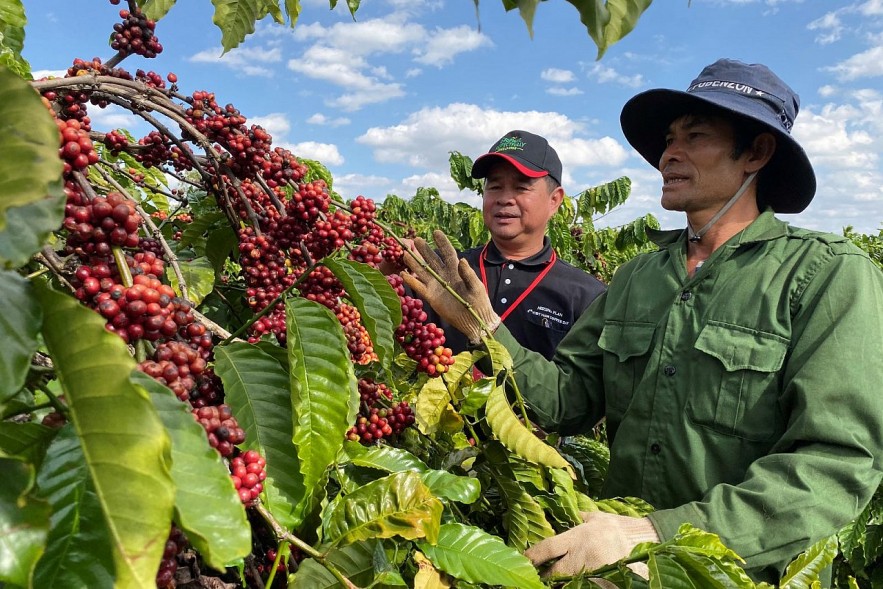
738	367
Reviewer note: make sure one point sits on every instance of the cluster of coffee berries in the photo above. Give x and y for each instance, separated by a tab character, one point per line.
378	423
165	576
135	35
221	427
248	475
76	151
423	342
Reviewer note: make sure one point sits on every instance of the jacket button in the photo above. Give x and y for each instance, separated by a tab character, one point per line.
669	370
686	295
655	448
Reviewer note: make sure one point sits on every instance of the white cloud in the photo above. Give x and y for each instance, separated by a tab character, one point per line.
557	76
241	59
444	45
116	117
276	124
320	119
424	139
872	8
326	153
559	91
861	65
603	74
48	74
828	90
831	27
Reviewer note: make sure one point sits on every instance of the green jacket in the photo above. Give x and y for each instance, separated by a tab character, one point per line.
745	400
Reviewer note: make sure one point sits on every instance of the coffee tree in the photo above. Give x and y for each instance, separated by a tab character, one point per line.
205	380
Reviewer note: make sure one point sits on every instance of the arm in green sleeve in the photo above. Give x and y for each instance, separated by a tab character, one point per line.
825	468
565	394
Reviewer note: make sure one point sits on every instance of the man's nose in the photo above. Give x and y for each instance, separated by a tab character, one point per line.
672	152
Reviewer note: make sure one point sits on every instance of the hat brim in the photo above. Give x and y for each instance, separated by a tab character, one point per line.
789	182
481	166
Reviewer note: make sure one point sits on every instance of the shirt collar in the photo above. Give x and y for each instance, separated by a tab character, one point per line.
492	255
764	228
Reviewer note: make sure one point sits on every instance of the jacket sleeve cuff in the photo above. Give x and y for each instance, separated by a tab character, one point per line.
667	521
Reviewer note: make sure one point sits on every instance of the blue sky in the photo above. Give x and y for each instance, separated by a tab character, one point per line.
382	101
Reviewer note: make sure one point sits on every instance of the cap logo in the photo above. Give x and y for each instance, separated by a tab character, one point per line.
510	144
743	88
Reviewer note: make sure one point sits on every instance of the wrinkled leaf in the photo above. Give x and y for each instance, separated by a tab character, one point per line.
805	569
451	486
427	576
257	390
207	506
156	9
477	396
324	390
29	141
236	18
79	550
397	505
28	441
19	328
384	457
12	38
471	554
199	276
515	436
93	366
432	400
525	520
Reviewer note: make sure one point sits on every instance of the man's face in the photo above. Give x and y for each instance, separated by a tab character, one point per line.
517	208
699	172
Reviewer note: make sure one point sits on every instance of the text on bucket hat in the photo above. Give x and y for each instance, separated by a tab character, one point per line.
530	154
787	183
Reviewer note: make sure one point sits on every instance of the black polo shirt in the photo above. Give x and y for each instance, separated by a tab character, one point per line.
546	314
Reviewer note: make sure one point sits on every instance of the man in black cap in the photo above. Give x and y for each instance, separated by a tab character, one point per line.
739	366
537	295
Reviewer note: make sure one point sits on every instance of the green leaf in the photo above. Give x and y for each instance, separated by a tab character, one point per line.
156	9
590	458
195	233
29	139
256	388
624	15
29	226
452	487
220	244
397	505
666	573
477	396
93	366
525	520
79	550
432	400
292	9
631	506
23	522
459	373
355	561
461	173
19	329
473	555
28	441
236	18
805	569
207	506
12	38
377	302
387	458
324	390
198	274
500	358
515	436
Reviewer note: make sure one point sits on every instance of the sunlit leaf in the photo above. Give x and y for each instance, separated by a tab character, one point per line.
207	506
199	276
432	400
355	561
397	505
29	226
515	436
805	569
93	366
29	142
256	388
324	390
471	554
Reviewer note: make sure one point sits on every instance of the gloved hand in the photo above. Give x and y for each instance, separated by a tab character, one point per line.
462	279
603	539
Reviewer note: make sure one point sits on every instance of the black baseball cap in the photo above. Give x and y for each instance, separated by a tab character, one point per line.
530	154
787	183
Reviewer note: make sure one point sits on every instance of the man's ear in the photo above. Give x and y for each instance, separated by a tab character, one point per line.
761	152
557	197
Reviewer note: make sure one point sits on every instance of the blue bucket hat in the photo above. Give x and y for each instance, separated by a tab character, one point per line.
787	183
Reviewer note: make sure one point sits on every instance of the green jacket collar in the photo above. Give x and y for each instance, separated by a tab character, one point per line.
764	228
